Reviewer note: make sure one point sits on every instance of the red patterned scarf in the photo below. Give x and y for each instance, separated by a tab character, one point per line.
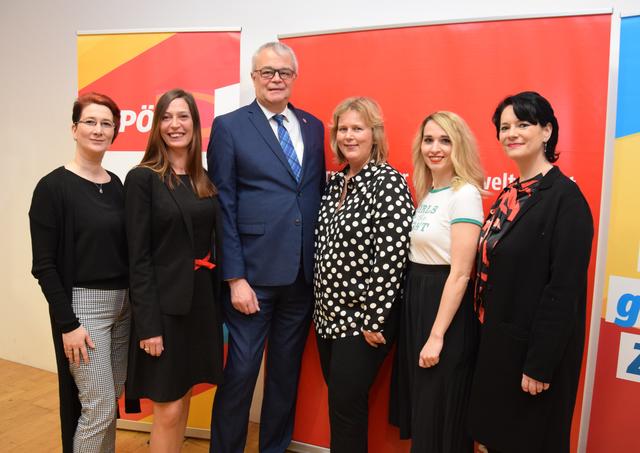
501	214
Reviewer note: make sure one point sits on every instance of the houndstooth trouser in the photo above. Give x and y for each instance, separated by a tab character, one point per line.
106	316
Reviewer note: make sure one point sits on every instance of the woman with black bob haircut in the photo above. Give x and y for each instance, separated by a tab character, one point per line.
530	291
530	107
173	236
80	261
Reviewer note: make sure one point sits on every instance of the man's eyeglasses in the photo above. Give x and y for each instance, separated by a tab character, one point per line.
104	124
269	73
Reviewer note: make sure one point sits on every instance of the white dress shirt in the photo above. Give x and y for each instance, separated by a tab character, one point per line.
291	124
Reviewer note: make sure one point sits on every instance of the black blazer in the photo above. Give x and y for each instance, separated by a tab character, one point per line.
534	322
161	253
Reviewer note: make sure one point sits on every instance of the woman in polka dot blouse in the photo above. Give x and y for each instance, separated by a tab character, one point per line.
361	249
438	332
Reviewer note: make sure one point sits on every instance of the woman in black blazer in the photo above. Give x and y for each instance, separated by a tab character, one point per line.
171	218
531	291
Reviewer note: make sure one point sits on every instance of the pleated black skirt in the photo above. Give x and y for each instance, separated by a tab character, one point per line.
429	405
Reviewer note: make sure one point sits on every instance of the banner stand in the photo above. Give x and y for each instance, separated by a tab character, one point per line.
123	64
603	233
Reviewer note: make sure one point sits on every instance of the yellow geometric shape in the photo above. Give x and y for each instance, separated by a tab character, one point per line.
624	221
200	409
100	54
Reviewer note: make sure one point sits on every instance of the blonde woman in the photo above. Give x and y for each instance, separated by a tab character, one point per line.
361	245
437	338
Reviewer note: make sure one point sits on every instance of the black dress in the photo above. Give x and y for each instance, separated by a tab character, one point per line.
192	343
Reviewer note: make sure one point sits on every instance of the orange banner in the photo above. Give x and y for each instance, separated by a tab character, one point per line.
135	69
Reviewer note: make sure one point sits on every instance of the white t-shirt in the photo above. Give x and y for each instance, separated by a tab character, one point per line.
431	229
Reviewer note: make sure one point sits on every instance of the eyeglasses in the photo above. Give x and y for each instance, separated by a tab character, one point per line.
269	73
104	124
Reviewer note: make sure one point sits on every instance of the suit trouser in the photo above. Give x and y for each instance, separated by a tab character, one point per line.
105	314
349	366
283	323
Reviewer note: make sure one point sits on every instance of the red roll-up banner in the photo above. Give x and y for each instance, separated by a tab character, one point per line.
466	68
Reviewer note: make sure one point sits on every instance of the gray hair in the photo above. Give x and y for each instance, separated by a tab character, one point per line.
278	48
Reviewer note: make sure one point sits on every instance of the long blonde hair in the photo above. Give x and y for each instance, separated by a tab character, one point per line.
464	155
156	156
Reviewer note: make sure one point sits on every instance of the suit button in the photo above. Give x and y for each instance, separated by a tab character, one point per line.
297	222
299	194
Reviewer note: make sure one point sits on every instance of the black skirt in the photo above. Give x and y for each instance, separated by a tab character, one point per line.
430	404
193	350
193	343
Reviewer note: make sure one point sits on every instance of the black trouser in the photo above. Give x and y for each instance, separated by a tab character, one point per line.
349	366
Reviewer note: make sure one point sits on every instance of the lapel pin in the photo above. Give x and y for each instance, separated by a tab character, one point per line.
304	120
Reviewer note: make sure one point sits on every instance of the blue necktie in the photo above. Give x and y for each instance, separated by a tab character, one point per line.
287	147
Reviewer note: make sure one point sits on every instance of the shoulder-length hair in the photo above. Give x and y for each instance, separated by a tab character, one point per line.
156	155
464	155
371	114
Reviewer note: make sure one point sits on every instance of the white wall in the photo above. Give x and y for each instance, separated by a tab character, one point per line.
39	82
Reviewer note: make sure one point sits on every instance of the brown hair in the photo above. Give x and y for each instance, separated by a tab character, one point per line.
156	155
372	116
96	98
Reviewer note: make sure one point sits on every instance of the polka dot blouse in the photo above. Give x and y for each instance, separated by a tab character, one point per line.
360	251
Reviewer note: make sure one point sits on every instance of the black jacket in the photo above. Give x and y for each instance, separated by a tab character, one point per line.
161	252
535	303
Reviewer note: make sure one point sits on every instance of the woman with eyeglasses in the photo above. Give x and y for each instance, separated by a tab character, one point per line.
80	261
531	291
172	223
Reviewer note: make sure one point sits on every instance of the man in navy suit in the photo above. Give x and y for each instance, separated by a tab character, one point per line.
267	161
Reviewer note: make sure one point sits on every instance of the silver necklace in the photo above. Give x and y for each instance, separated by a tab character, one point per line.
99	186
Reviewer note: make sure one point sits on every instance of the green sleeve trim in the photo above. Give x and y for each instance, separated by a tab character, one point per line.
466	220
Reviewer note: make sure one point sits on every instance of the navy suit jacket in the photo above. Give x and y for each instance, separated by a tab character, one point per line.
268	218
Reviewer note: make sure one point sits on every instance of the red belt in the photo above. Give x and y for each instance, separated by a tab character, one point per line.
204	262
